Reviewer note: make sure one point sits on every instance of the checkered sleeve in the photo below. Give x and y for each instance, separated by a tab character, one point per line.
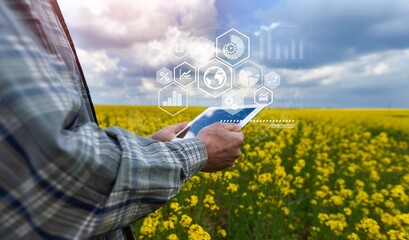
63	181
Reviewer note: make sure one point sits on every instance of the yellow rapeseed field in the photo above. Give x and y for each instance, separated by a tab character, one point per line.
337	174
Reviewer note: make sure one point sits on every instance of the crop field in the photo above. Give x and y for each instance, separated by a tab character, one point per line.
330	174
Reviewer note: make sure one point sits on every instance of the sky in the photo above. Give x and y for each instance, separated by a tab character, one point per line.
356	53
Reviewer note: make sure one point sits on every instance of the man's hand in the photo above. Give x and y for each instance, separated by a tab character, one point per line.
223	141
169	132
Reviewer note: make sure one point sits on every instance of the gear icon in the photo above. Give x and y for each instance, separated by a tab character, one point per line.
229	101
230	48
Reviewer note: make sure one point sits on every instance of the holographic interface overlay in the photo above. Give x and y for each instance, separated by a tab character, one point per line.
224	68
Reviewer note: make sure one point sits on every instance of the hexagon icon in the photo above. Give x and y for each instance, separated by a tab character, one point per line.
248	75
173	99
232	103
202	50
263	96
179	48
164	76
215	78
272	80
184	74
233	47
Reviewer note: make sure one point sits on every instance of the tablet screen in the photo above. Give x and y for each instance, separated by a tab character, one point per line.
211	116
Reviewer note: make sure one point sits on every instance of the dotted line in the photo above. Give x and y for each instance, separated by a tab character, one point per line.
231	121
259	121
273	120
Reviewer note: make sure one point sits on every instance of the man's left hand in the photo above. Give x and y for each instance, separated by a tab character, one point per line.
169	132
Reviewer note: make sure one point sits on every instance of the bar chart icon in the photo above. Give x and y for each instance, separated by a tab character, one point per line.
291	51
285	43
174	101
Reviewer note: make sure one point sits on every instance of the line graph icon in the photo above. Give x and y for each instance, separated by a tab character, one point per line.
184	74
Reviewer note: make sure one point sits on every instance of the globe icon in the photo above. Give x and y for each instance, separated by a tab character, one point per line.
214	77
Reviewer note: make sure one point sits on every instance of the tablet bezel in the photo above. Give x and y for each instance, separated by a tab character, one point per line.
242	123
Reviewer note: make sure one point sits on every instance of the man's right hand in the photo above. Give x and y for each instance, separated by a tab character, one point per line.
223	141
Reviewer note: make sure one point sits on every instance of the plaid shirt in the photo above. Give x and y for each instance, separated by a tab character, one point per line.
61	176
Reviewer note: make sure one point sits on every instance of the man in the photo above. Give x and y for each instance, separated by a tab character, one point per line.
61	176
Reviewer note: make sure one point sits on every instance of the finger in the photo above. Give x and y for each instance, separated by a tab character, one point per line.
237	137
238	153
232	127
177	127
182	134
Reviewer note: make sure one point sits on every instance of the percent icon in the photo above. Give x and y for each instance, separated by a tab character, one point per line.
164	76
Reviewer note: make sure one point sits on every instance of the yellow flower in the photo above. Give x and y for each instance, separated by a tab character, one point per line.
315	229
299	166
353	236
374	176
150	223
246	147
367	134
389	204
228	175
261	195
346	193
173	218
398	234
265	178
196	232
233	187
210	203
387	219
370	227
173	237
320	194
168	225
377	198
336	222
362	197
353	168
298	182
193	200
175	206
195	179
286	210
222	233
185	221
398	191
337	200
261	154
347	211
359	185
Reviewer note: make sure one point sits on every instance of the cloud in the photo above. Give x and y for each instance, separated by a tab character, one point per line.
372	80
344	30
122	43
359	48
123	23
98	67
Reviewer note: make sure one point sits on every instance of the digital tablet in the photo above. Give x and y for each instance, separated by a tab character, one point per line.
212	115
